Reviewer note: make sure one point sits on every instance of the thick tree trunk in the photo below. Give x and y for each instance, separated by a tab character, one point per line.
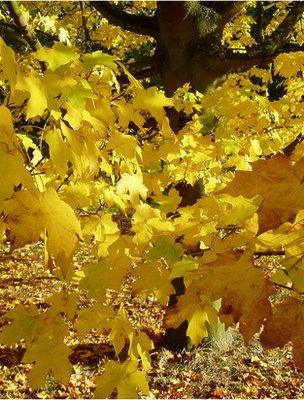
177	40
178	44
175	28
176	339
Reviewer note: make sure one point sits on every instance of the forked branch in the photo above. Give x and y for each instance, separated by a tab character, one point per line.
140	24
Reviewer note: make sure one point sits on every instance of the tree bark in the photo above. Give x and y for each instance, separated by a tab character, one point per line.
179	36
135	23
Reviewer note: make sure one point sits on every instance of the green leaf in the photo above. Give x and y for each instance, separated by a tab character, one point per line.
165	247
23	327
104	275
208	122
99	58
58	55
49	355
180	268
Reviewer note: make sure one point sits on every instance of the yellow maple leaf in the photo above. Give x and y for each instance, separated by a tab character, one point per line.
7	133
279	185
28	213
24	325
242	287
124	377
146	220
134	185
48	23
110	198
48	351
286	325
9	64
12	170
289	238
22	215
12	173
56	56
28	144
121	328
197	310
140	346
125	146
152	278
64	36
98	58
169	202
97	317
44	335
62	226
104	229
37	101
60	154
288	65
110	273
154	101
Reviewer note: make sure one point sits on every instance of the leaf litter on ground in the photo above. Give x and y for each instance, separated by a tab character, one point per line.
222	367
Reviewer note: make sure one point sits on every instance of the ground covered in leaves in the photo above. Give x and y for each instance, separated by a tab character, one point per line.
221	368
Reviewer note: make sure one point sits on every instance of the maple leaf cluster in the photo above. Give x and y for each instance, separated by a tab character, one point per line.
78	163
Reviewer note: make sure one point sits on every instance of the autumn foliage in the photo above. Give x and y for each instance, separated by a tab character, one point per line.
88	154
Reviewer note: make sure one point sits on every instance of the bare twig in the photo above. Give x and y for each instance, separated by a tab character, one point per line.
260	25
269	253
85	28
66	179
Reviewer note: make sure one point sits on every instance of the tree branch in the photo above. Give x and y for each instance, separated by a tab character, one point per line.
22	26
269	253
87	37
260	25
226	60
280	36
144	69
261	54
135	23
257	57
288	150
9	32
226	9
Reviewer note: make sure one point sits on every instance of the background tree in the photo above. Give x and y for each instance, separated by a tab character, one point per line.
195	42
192	41
88	154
